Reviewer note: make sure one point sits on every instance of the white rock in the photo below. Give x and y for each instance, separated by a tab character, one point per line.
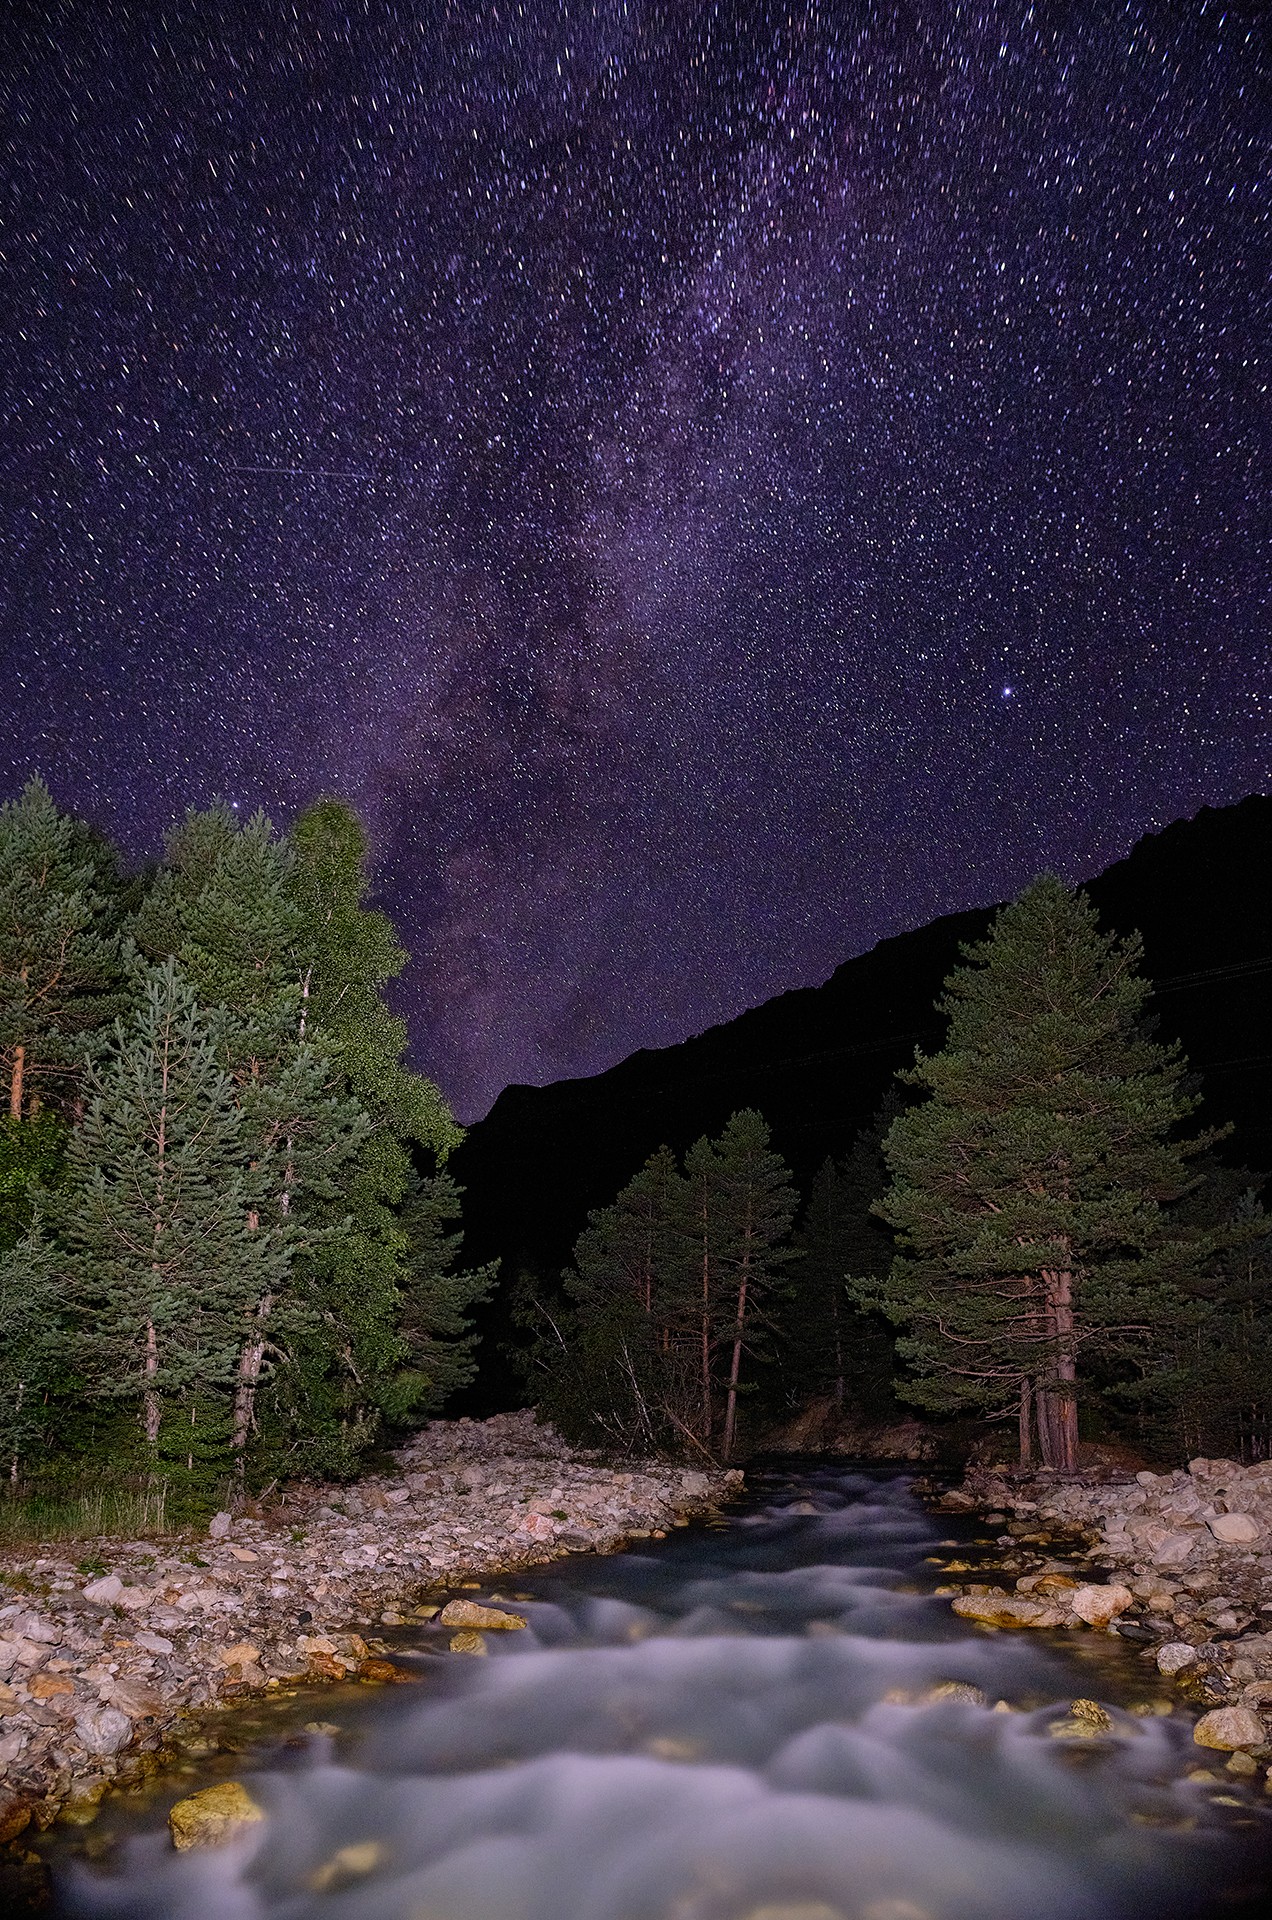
1174	1550
1146	1479
1098	1605
1235	1529
135	1598
1174	1655
153	1642
219	1525
104	1593
33	1626
104	1730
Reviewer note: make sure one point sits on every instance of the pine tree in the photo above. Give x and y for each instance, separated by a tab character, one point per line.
754	1207
31	1157
1031	1191
225	906
60	969
436	1299
391	1301
631	1312
830	1347
34	1348
157	1215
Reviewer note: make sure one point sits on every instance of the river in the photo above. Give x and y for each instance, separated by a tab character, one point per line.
736	1723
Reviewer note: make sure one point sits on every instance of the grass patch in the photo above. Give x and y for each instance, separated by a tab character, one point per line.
47	1509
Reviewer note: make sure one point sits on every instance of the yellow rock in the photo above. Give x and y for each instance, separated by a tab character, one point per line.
996	1608
350	1863
214	1817
1228	1728
241	1654
467	1613
1088	1720
467	1641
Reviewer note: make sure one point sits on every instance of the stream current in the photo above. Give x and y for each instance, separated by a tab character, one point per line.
736	1723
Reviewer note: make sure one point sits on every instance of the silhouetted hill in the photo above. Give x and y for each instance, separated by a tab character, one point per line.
817	1061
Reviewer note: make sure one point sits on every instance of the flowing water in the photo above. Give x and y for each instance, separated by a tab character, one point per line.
734	1724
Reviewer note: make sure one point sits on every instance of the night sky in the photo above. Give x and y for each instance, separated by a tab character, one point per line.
715	484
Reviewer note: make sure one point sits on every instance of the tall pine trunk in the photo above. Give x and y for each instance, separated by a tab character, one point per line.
15	1084
735	1363
1059	1432
706	1328
1026	1422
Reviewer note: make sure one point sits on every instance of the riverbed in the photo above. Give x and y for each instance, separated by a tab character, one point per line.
773	1716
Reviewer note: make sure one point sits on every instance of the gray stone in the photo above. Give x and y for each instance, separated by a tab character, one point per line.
1235	1529
1174	1549
1175	1655
105	1592
103	1730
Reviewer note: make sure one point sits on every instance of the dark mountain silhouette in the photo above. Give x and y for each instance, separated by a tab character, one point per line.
817	1061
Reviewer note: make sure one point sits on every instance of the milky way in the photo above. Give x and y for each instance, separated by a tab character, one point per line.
715	484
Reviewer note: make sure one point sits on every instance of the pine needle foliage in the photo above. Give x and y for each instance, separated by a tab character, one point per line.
1031	1191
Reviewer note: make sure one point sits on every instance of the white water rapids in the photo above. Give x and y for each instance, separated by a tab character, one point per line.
730	1725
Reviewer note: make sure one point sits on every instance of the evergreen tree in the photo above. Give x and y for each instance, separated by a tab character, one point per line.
1031	1191
831	1348
391	1299
755	1207
225	906
164	1217
33	1350
60	971
31	1156
436	1299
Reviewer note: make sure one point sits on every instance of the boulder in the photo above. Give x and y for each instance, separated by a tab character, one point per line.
1000	1609
1098	1605
105	1592
103	1730
1228	1728
1174	1655
214	1817
1174	1549
1235	1529
467	1613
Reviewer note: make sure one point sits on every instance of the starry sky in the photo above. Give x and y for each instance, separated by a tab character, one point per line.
715	482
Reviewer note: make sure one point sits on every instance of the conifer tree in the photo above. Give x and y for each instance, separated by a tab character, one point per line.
1031	1191
391	1302
830	1347
754	1207
60	970
225	906
31	1156
158	1215
33	1350
436	1299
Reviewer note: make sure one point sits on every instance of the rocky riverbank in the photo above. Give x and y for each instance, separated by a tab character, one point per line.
1180	1562
105	1645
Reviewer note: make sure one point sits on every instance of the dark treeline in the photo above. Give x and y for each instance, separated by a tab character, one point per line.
1033	1230
227	1233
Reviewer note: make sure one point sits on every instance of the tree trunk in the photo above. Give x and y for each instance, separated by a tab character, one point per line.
15	1084
735	1364
250	1362
150	1398
706	1331
1061	1443
1026	1422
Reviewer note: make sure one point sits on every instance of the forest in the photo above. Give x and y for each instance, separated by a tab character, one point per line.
230	1245
1035	1232
228	1237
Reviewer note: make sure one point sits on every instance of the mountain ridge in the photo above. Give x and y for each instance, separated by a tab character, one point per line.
816	1060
